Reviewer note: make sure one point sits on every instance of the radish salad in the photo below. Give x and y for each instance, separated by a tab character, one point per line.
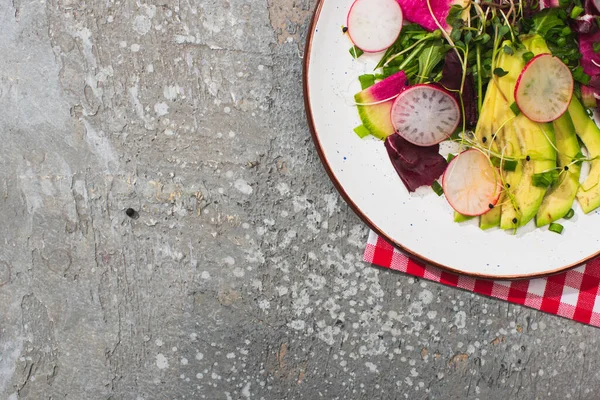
513	83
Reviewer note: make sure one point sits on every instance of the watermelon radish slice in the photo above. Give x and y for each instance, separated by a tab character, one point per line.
375	103
374	25
425	115
589	97
471	183
544	88
418	12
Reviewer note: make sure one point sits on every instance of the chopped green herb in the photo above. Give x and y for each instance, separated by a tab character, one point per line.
450	157
362	131
556	228
437	188
514	107
507	165
366	81
499	72
545	179
596	47
570	214
576	11
355	52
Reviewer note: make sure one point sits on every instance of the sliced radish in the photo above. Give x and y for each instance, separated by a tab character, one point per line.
471	183
425	115
374	25
544	88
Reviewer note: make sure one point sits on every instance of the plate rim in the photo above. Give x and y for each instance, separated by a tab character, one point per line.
357	210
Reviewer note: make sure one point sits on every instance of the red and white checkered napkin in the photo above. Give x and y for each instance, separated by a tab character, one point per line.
573	294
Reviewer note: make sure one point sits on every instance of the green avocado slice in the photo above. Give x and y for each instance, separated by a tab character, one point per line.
560	197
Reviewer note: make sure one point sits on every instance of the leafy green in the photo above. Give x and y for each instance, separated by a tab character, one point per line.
428	60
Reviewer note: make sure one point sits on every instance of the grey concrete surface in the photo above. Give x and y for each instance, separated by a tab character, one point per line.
242	276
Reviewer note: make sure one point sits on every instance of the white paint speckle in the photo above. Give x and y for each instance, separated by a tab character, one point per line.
246	391
230	355
135	47
426	297
158	342
460	319
238	272
184	361
161	361
297	325
264	305
161	109
205	275
171	92
141	24
242	186
372	367
229	260
199	356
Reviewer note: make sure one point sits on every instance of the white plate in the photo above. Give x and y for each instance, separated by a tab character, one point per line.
419	224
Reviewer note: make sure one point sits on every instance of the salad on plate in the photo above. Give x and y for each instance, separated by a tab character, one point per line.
513	85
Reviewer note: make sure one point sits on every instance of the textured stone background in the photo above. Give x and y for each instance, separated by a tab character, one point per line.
242	277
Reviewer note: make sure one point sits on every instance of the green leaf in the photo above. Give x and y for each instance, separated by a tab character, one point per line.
528	56
366	81
499	72
428	60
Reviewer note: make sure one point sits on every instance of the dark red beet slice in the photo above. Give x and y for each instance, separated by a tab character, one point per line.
416	165
452	80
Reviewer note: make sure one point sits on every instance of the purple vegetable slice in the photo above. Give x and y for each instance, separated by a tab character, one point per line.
418	12
374	25
416	165
425	115
590	60
452	80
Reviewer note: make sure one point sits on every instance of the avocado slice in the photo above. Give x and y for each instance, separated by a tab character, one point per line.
560	197
588	195
538	143
484	132
458	217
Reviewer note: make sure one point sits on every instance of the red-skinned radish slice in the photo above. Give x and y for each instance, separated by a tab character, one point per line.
425	115
374	25
471	183
544	88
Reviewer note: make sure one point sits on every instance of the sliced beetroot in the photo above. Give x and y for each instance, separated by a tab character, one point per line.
416	165
374	25
452	80
418	12
425	115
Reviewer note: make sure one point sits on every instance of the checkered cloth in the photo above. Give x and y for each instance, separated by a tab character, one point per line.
573	294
